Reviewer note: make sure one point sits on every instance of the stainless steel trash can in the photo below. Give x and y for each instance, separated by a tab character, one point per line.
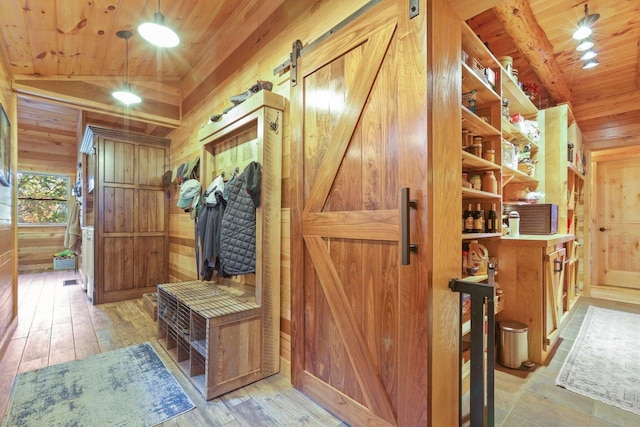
514	350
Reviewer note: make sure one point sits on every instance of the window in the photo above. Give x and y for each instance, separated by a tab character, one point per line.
42	198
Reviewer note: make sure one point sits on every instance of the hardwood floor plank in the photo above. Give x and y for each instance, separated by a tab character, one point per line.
58	324
11	359
32	365
37	346
62	355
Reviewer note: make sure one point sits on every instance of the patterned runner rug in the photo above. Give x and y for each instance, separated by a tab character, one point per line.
126	387
604	362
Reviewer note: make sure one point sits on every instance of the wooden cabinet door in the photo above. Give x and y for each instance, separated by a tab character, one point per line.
358	316
131	217
554	263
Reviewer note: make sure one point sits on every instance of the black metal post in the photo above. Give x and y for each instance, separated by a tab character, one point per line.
482	300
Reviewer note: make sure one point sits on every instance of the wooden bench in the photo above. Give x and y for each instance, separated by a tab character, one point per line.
226	335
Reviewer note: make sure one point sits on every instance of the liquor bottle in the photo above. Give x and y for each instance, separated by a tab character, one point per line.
468	219
491	224
478	219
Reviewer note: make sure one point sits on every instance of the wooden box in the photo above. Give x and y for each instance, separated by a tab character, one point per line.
150	304
536	219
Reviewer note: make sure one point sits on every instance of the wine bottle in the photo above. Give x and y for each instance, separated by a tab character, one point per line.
491	224
478	219
468	219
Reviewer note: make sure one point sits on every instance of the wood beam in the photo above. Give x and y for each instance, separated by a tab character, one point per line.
87	78
626	146
160	114
522	27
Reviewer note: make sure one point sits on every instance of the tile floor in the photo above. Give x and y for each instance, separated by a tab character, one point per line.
528	399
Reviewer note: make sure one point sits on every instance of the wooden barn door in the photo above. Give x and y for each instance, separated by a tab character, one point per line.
358	315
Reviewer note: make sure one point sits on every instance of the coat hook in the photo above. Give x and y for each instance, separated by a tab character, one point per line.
274	125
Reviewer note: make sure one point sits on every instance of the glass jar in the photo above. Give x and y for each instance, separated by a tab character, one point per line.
476	181
505	109
489	182
465	181
489	155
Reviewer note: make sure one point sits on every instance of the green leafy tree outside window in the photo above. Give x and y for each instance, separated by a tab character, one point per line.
42	199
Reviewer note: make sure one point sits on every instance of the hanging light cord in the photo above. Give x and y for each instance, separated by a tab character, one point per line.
127	66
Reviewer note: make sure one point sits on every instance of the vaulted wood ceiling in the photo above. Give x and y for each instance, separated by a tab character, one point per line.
537	34
64	54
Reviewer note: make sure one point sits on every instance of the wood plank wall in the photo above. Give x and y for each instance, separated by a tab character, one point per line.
307	27
36	246
8	264
50	147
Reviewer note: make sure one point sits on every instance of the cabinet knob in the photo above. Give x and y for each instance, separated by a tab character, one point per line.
604	229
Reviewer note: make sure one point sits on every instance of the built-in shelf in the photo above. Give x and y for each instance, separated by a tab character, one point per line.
518	101
571	168
471	81
473	123
516	136
477	163
476	279
470	193
510	176
472	236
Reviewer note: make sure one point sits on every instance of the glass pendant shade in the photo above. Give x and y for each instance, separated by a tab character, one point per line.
126	96
590	64
589	54
157	33
582	33
585	44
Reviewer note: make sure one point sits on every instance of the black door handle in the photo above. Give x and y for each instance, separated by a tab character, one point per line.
407	204
603	229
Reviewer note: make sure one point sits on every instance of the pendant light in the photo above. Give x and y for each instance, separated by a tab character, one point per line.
157	33
589	54
585	44
590	63
125	95
584	25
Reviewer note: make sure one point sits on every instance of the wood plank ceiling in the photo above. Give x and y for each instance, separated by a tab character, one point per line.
604	99
65	54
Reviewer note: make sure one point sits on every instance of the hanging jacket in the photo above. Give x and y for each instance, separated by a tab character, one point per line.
209	230
238	232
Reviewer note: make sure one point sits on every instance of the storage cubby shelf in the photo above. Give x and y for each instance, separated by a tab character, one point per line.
477	125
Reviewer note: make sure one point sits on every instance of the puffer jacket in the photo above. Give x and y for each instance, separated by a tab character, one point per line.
238	231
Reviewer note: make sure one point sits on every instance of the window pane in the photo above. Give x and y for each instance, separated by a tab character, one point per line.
42	199
42	212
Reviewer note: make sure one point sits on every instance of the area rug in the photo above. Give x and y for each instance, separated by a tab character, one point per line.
126	387
604	362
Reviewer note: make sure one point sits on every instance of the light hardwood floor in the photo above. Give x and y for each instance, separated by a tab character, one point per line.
57	324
